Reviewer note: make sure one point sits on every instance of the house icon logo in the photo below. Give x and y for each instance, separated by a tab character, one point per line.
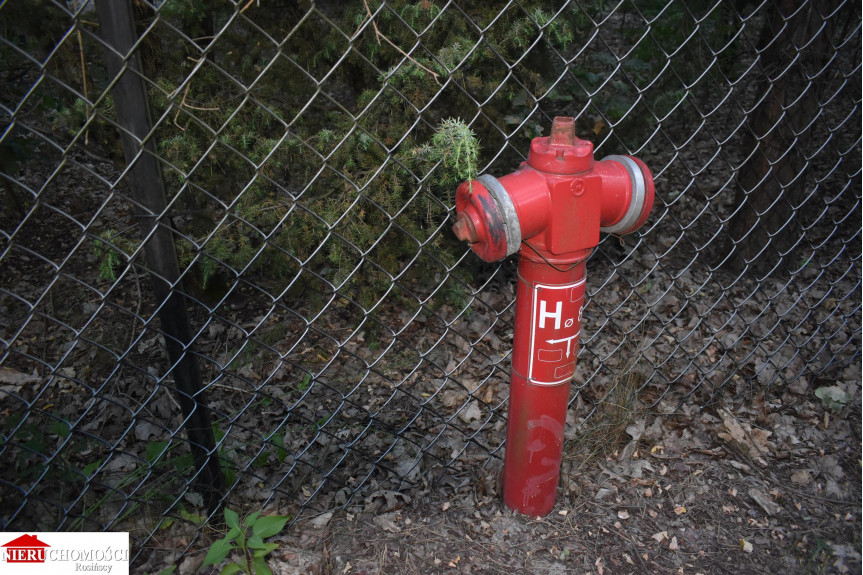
25	549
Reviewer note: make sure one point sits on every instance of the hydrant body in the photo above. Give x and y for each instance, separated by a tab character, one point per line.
550	212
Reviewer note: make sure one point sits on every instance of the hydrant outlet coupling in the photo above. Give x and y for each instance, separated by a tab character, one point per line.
551	211
487	219
633	198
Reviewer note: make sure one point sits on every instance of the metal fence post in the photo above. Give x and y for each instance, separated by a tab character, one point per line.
145	180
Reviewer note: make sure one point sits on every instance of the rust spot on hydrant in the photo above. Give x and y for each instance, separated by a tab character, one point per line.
464	229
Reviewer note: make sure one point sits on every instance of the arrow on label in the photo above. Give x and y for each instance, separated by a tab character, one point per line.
568	341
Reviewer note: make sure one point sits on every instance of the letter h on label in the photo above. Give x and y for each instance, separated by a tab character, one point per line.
556	314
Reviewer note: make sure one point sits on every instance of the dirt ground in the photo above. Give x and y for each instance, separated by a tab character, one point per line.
764	484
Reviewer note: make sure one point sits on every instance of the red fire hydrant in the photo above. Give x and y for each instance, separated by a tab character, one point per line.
550	211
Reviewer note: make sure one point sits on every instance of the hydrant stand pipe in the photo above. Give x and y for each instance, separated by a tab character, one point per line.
549	303
550	211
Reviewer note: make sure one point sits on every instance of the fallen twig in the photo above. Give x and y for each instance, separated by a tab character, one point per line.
380	35
191	107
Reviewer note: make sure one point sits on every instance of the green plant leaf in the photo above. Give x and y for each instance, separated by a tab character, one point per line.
832	397
232	519
232	568
250	520
260	547
281	452
218	433
261	567
90	469
269	525
218	551
234	533
304	385
166	523
154	450
266	549
193	517
60	428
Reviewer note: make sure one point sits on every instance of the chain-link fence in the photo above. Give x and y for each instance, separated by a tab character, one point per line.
226	270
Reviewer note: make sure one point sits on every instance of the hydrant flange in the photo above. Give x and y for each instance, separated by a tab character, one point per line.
636	213
507	211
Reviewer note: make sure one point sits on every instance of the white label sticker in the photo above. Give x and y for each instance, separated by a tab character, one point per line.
554	331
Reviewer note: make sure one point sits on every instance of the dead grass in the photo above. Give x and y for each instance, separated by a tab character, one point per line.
603	431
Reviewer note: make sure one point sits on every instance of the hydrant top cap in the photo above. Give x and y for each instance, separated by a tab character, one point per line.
563	131
563	152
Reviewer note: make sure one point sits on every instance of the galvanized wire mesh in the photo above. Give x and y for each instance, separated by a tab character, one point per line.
339	343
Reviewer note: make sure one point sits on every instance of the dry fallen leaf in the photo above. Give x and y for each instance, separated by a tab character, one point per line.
747	546
384	501
636	429
322	520
387	522
623	515
801	477
679	510
453	398
598	125
471	412
759	439
765	502
489	394
753	441
673	545
660	536
15	380
735	430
